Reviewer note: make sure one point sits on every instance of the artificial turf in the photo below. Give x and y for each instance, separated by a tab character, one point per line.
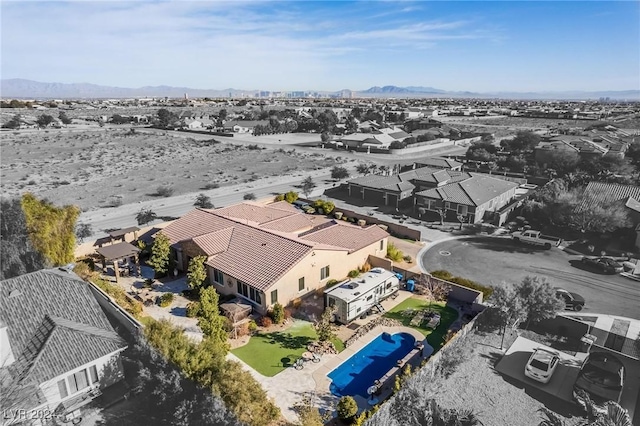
270	353
435	337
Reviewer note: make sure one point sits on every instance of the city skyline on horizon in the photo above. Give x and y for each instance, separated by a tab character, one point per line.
326	46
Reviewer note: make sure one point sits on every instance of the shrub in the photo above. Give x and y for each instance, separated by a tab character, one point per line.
366	267
288	313
265	321
326	206
193	309
408	259
447	276
164	191
279	197
394	253
331	282
211	186
291	196
353	273
347	408
165	300
296	303
242	329
277	313
249	196
252	326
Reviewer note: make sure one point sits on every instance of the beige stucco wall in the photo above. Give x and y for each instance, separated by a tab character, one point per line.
339	262
109	372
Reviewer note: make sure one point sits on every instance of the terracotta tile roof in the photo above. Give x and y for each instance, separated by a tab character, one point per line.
283	205
351	237
215	242
297	223
54	325
196	222
253	212
257	257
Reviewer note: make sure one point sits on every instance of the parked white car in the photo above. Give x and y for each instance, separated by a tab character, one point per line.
541	365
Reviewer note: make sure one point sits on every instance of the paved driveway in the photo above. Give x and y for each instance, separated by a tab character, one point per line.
496	260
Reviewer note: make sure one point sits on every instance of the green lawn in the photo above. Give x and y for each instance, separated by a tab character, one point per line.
270	353
434	337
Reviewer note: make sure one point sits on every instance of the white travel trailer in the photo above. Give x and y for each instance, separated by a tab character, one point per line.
354	297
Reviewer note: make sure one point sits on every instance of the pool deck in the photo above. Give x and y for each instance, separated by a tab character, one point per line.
290	386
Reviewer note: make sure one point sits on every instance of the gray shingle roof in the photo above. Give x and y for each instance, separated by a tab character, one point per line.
601	193
54	325
473	191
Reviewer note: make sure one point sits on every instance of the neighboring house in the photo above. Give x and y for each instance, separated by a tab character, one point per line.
471	198
593	147
272	253
465	194
243	126
376	138
439	163
191	123
58	349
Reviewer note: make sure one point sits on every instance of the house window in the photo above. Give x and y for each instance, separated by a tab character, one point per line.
301	284
274	296
78	381
62	387
218	276
324	272
332	302
381	244
462	209
447	205
93	374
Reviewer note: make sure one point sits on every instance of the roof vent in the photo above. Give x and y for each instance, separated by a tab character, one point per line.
357	293
15	293
264	244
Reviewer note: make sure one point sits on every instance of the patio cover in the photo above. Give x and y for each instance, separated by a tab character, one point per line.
122	232
117	251
236	309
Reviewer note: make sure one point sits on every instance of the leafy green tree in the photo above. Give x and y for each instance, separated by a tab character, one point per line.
83	230
14	123
166	118
44	120
17	256
307	186
538	299
324	327
277	313
51	229
203	201
362	169
64	118
196	272
338	172
291	197
210	320
347	408
160	252
145	216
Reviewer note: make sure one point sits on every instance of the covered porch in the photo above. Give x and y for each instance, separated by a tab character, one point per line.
123	256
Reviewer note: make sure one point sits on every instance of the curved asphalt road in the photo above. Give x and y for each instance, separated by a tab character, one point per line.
499	260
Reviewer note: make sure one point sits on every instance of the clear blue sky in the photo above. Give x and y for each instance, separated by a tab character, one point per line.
331	45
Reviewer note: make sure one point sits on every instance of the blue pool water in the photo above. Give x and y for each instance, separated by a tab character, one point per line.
355	375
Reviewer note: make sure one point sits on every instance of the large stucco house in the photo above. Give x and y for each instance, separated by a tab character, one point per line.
58	350
271	253
428	189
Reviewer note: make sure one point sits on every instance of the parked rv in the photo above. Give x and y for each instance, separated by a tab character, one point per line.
356	296
537	238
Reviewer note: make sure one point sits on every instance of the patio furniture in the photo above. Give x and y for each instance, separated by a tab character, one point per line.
417	319
434	321
299	364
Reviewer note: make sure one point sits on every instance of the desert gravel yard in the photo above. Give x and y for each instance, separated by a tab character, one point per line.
475	385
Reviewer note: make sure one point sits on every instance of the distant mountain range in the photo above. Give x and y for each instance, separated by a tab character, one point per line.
28	89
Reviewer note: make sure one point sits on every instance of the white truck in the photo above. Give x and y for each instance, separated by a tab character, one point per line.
537	238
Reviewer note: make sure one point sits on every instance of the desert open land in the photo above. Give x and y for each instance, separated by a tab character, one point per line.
111	167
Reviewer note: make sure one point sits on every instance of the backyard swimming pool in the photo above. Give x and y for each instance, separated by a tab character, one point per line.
357	374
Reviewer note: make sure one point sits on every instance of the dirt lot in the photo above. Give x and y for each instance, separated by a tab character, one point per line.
110	167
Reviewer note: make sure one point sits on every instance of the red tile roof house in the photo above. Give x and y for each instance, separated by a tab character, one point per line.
57	348
271	253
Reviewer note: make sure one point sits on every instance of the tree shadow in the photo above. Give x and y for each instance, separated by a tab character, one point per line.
179	312
578	264
288	341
